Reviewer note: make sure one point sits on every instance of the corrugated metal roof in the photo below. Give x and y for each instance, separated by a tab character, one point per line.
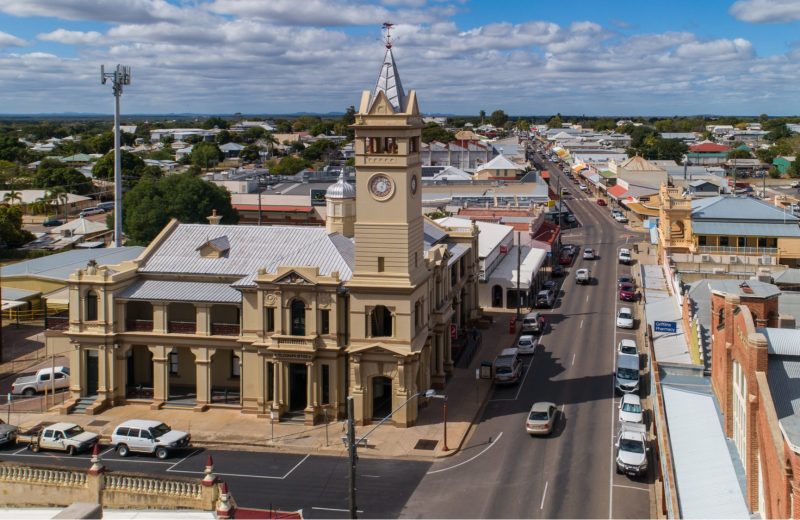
60	266
251	248
457	250
782	342
389	83
708	486
750	229
506	272
490	237
11	293
168	290
783	373
727	207
432	234
757	289
789	305
789	276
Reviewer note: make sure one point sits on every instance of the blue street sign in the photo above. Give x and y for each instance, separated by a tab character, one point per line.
665	326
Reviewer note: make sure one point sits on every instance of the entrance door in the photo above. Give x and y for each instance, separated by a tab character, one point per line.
381	397
298	380
497	296
91	373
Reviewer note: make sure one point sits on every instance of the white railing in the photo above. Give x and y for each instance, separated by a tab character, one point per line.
153	486
43	476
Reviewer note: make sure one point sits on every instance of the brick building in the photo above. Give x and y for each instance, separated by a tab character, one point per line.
755	371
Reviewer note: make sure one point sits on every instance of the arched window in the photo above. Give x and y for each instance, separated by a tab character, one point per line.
298	317
91	306
381	322
721	318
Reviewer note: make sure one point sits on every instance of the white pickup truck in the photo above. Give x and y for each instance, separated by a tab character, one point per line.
61	436
33	384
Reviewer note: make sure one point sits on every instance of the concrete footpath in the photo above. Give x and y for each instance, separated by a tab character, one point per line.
228	428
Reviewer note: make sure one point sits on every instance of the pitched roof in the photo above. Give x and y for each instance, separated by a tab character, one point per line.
500	162
389	83
617	191
491	235
708	146
638	163
742	209
782	342
60	266
81	226
171	290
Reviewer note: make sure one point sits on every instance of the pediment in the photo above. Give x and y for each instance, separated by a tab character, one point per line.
380	105
292	278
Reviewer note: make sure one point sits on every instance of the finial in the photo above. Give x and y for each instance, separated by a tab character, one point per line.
387	26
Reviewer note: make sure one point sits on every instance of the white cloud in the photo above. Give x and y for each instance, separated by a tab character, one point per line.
716	50
102	10
766	11
72	37
9	40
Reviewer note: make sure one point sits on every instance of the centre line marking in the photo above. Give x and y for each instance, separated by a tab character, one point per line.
494	441
573	359
541	506
581	324
334	509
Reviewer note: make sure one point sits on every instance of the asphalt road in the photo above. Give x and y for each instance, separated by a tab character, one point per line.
505	473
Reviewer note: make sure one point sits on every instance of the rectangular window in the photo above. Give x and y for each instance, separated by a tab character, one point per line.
723	241
236	368
762	242
173	363
270	319
324	321
326	384
702	240
270	379
381	265
741	241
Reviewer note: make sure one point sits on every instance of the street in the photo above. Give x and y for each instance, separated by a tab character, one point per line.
503	472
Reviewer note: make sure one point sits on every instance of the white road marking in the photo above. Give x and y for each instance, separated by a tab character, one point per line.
494	441
587	298
109	449
632	487
573	359
371	476
334	509
612	465
528	368
20	451
541	506
183	459
581	324
170	470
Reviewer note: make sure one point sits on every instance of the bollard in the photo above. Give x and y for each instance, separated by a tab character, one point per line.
512	326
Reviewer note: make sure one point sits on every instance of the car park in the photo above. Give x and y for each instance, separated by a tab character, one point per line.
583	276
148	437
625	318
625	256
601	202
588	254
565	259
626	373
630	409
546	298
526	344
549	284
557	271
507	367
627	346
632	449
627	292
541	418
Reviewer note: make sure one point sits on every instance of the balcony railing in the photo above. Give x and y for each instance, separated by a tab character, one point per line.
727	250
224	329
182	327
294	342
139	325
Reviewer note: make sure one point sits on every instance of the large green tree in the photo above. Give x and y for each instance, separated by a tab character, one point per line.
498	118
289	165
434	132
215	121
150	204
54	174
318	150
250	153
206	154
132	166
11	232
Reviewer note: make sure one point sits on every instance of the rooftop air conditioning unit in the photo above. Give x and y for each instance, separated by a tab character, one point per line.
705	258
733	259
765	260
719	270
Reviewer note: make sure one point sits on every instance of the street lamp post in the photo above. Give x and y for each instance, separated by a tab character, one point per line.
444	412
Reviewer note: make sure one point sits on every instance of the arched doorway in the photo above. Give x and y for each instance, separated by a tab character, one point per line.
497	296
381	397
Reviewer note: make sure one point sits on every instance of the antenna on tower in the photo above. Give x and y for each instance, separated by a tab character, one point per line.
387	27
121	76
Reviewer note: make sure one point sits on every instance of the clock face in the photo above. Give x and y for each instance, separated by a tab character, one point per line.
381	186
413	184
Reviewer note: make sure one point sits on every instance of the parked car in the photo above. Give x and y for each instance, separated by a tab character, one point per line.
557	271
582	187
106	206
570	218
549	284
625	256
627	346
507	367
32	384
622	219
795	184
541	418
627	292
625	318
8	433
632	449
546	298
630	409
91	211
531	323
583	276
148	437
526	344
62	436
626	373
569	248
565	259
624	279
52	222
588	254
601	202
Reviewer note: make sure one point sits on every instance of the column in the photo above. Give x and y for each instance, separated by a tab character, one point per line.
203	319
275	386
448	352
357	390
120	374
160	374
202	362
310	397
437	363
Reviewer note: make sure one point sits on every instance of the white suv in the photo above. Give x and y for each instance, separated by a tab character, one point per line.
147	437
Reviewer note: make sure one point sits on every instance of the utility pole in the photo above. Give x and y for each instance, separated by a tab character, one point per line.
519	262
121	76
351	456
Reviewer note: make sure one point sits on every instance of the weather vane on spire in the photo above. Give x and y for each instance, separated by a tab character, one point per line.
387	26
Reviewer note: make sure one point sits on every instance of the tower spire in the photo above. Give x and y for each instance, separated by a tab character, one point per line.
389	79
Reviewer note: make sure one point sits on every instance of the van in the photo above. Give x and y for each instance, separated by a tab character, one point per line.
91	211
507	367
106	206
530	323
626	373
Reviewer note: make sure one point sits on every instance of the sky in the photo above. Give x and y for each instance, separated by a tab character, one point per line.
578	57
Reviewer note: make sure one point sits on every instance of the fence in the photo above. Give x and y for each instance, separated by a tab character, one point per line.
18	404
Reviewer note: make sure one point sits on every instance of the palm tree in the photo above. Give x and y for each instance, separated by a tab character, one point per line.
271	141
60	196
11	196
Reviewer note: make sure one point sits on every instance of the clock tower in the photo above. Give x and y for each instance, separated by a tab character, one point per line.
389	222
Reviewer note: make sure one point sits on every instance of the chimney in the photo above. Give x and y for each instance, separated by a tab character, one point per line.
214	219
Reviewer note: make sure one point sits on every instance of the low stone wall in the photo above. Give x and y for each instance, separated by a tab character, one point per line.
25	486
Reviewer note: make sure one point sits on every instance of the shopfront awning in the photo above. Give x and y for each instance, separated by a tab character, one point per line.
505	274
617	192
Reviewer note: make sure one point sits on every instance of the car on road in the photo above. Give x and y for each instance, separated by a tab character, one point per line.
91	211
582	187
557	271
532	323
626	373
8	433
549	284
601	202
52	222
565	258
632	449
624	278
625	256
615	213
588	254
526	344
62	436
564	192
583	276
507	367
622	219
627	292
795	184
570	218
627	346
32	384
144	436
630	409
625	318
546	298
541	418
